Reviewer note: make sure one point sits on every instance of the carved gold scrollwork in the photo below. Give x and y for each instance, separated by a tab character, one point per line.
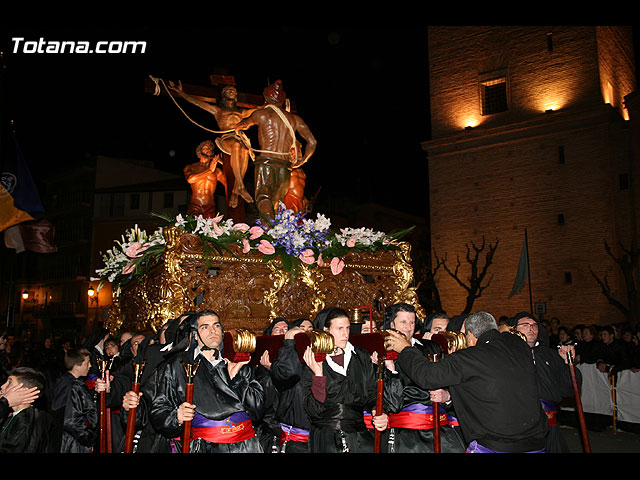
404	278
248	292
281	278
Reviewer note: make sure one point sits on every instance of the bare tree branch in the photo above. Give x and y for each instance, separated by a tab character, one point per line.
606	290
475	286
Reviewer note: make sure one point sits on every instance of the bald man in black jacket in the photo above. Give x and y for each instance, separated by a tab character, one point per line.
492	384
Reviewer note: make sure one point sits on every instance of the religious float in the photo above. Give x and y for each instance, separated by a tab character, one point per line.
288	267
284	265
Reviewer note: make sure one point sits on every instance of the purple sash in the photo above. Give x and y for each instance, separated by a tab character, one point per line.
420	408
200	421
296	430
549	406
475	447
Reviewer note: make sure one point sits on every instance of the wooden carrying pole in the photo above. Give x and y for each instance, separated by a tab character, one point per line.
131	415
612	384
103	408
379	396
434	357
190	370
109	438
576	393
374	342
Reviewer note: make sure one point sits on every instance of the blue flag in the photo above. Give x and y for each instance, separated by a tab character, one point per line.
19	197
523	270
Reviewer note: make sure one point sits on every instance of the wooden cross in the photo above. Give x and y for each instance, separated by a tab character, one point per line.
212	93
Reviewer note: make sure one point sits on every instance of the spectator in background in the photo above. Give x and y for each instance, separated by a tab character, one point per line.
554	324
576	333
46	360
564	336
28	429
615	356
635	350
73	405
591	348
4	358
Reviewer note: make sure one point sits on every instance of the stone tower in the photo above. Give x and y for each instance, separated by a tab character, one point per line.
530	131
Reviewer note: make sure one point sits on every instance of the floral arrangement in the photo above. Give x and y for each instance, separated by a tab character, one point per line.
134	255
296	240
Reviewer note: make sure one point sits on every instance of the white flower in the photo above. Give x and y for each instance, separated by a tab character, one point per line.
322	223
180	222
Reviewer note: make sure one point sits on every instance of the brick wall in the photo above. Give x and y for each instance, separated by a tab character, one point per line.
506	175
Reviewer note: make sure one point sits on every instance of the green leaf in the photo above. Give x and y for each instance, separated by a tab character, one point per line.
163	216
287	261
267	258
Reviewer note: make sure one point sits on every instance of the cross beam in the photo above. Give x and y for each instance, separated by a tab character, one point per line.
212	94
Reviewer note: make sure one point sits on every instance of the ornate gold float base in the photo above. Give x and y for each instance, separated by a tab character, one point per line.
248	293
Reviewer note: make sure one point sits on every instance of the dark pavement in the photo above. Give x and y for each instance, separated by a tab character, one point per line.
605	441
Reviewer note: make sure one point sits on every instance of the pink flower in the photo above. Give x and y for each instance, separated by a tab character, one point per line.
128	268
216	229
320	260
246	246
337	265
217	219
266	248
351	242
255	232
135	250
243	227
307	257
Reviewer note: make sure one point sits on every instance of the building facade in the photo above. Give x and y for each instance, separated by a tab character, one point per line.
90	205
530	131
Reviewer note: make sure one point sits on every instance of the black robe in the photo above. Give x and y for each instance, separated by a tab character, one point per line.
30	431
267	428
216	397
5	409
494	388
146	440
554	380
286	372
409	395
337	424
79	414
591	351
616	356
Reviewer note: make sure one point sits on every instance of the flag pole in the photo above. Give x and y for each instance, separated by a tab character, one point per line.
526	241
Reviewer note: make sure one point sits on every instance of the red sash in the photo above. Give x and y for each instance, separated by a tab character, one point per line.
552	418
228	434
293	437
551	409
236	428
415	420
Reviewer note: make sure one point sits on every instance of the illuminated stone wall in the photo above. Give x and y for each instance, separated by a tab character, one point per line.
555	173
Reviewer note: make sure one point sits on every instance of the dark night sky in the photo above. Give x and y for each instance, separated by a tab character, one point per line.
362	91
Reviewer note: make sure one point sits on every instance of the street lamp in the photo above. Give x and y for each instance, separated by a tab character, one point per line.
92	294
25	295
